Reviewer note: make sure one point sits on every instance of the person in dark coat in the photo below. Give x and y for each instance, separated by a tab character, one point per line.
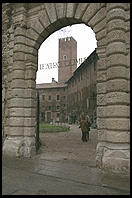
83	126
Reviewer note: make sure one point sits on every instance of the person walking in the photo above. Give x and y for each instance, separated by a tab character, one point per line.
83	126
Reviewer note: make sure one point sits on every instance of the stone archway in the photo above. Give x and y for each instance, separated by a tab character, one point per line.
25	27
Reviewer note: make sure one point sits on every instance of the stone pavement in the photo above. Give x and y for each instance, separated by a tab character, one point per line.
65	166
48	176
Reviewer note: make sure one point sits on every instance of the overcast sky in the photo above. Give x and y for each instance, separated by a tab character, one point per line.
48	51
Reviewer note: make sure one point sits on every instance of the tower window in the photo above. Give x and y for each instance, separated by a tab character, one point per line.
64	57
58	97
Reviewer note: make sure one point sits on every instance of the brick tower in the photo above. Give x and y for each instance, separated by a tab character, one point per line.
67	58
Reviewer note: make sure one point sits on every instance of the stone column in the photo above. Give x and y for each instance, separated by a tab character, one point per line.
114	146
15	143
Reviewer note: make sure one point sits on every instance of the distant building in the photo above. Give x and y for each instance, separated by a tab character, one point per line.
75	91
53	101
67	58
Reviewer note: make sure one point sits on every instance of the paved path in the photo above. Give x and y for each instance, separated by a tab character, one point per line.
56	170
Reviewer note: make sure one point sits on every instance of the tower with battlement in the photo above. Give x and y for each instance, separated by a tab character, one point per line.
67	58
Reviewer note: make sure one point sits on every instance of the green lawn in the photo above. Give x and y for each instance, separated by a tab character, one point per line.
44	127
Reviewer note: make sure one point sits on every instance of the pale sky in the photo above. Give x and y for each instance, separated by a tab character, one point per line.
48	51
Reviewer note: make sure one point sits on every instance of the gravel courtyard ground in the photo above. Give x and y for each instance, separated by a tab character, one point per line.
69	146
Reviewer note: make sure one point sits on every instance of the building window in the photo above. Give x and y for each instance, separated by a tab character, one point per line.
64	57
57	107
58	115
49	107
43	97
49	97
58	97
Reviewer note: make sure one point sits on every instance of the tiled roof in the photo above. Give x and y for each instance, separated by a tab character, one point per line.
51	85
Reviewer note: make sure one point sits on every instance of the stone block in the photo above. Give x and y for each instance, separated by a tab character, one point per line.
116	164
17	93
30	103
30	93
19	31
101	88
29	131
36	25
70	10
116	48
12	146
99	16
16	102
17	112
44	19
117	85
117	111
115	13
118	124
29	122
101	64
32	58
116	35
18	74
116	60
50	9
31	34
30	73
101	123
115	5
117	98
101	100
116	24
18	56
101	112
90	11
101	34
80	10
113	136
30	84
100	26
16	121
29	112
18	83
101	75
117	72
59	10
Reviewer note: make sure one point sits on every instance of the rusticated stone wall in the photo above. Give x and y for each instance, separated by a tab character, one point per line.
25	27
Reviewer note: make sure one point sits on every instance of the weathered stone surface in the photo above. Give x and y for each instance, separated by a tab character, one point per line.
117	111
101	99
113	136
59	10
22	36
101	88
116	161
117	98
50	8
116	47
80	10
117	123
19	146
117	85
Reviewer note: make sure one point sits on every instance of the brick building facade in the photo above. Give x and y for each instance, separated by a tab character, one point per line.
81	88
